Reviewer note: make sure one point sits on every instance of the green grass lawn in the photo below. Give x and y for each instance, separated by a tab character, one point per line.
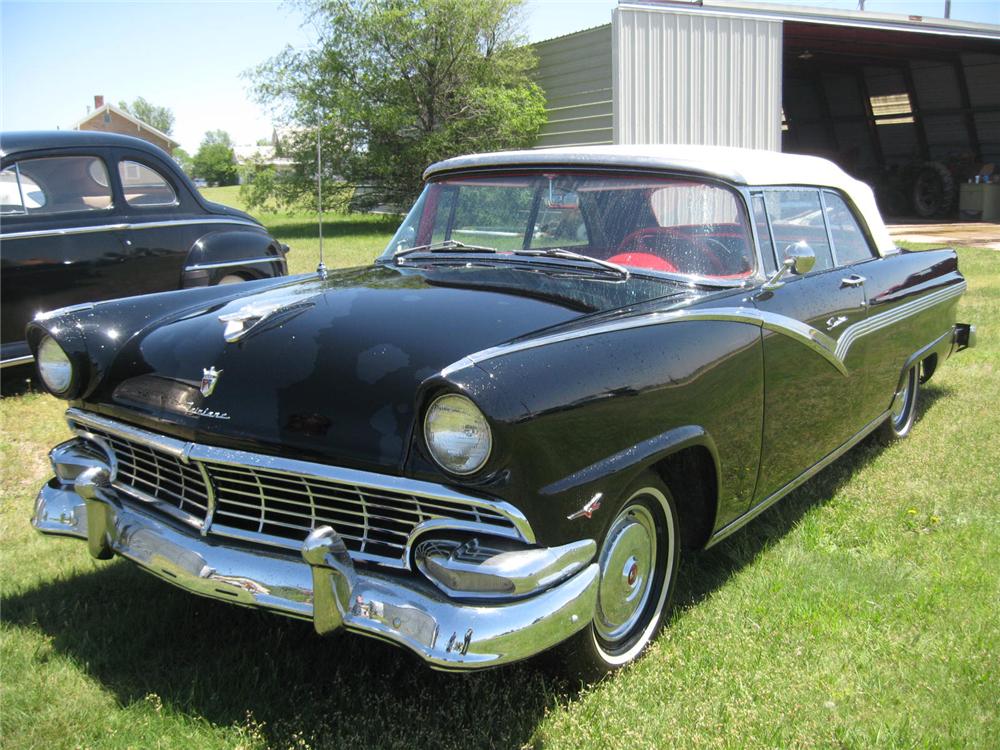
861	611
350	240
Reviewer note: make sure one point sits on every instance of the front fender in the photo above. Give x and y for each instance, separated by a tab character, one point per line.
245	252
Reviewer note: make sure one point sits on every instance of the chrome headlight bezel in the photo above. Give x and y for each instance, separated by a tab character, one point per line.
478	451
54	366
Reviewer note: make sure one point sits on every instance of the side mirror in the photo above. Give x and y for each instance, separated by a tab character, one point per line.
799	259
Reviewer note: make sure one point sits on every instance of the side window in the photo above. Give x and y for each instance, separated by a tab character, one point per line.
764	234
849	241
144	186
797	216
55	185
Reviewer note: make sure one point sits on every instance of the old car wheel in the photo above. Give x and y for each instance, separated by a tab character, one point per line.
638	559
903	410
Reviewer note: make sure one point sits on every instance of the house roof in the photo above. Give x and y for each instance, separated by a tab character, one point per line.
122	113
741	166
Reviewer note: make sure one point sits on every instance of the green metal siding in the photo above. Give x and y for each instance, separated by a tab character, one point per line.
574	71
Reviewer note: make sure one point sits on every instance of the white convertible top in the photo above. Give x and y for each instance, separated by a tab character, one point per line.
742	166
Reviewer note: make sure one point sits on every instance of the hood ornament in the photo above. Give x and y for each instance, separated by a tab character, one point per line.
240	323
209	378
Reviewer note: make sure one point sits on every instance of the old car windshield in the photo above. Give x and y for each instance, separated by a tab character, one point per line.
646	224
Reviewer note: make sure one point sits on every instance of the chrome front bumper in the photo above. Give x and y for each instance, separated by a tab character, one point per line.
323	585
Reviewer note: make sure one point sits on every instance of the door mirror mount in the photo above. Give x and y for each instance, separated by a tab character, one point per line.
799	259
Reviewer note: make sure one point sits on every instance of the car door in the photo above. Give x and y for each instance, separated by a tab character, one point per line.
811	388
63	235
164	219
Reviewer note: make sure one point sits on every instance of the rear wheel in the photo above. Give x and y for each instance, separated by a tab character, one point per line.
903	410
638	561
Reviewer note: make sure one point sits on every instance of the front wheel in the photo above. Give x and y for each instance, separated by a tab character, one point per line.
903	410
638	561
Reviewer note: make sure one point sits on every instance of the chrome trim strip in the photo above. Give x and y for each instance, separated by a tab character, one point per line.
234	263
738	523
123	227
211	454
881	320
832	350
805	334
23	360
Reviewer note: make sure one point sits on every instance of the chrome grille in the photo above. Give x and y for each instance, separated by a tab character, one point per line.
153	474
372	521
249	500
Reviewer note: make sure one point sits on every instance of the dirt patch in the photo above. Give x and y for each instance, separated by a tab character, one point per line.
965	234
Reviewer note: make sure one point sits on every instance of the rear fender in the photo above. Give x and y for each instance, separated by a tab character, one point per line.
243	252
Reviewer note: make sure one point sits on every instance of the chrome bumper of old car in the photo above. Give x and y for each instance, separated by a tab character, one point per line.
323	584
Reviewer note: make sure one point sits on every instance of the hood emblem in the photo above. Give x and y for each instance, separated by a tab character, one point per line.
589	508
209	378
252	316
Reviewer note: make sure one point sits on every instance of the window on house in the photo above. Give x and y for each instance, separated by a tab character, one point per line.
892	109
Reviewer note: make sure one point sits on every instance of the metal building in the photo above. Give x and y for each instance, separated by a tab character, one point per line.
877	93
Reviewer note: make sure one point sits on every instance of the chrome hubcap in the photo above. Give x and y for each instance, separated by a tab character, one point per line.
626	561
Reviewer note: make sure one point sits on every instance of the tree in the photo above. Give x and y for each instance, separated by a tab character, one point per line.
183	159
394	85
160	118
215	160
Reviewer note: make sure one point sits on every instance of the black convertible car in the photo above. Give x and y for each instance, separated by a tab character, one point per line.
88	216
566	365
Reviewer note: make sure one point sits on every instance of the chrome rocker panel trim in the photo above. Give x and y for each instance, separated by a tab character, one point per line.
738	523
322	585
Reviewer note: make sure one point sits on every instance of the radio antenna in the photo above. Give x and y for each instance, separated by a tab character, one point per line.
321	268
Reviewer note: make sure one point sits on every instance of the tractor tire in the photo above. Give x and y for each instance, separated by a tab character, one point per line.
934	190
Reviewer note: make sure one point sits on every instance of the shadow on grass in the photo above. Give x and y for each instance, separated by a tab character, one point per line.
137	635
383	227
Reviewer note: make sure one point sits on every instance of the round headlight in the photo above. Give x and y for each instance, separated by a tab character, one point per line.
457	434
54	366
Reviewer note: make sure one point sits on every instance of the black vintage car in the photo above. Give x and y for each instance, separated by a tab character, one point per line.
88	216
566	365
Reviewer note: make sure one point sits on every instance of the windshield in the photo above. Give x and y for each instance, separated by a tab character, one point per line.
660	225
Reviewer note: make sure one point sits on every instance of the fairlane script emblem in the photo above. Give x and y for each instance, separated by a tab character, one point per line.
587	511
209	378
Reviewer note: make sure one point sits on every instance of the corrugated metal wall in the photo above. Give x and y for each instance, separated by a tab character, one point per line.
575	73
696	78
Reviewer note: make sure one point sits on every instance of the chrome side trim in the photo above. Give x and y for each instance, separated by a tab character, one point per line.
832	350
767	502
811	337
880	320
24	360
123	227
211	454
234	263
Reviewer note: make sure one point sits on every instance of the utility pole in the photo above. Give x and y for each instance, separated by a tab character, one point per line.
947	8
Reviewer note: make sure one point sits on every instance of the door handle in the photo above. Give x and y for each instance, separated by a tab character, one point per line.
852	280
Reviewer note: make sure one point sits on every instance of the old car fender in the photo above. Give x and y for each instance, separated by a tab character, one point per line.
93	334
245	252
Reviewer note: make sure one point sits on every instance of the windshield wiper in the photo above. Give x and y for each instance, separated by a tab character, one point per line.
558	252
446	246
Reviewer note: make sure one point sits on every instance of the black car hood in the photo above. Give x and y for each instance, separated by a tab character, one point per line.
333	368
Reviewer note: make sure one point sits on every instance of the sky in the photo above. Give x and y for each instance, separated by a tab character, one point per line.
192	56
